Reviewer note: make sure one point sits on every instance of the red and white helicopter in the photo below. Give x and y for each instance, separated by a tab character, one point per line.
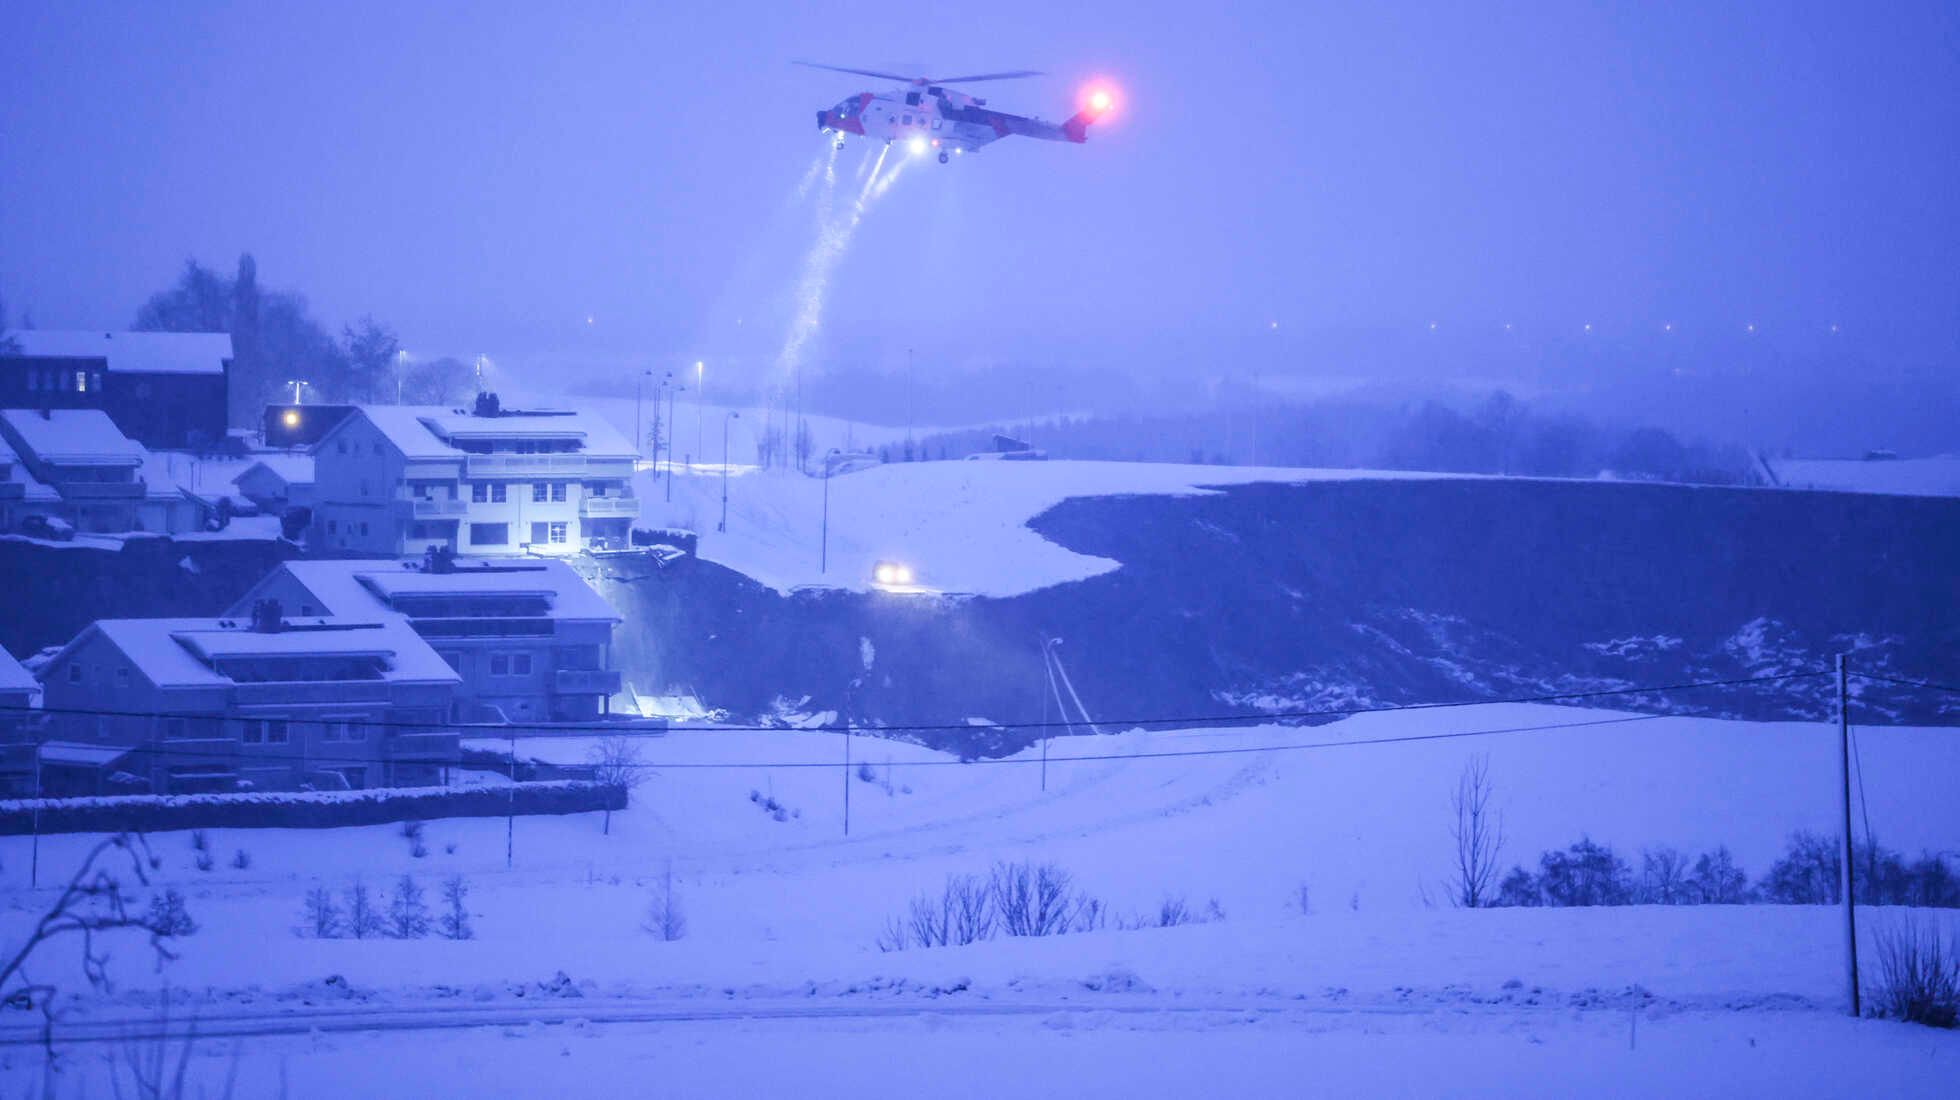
927	116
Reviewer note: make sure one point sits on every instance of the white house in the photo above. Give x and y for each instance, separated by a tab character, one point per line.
266	701
531	640
277	482
400	480
17	691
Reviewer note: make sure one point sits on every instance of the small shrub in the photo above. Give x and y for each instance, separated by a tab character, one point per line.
363	918
449	848
418	852
205	862
408	916
665	918
321	916
241	859
200	841
867	774
1918	974
412	830
455	920
1303	899
168	917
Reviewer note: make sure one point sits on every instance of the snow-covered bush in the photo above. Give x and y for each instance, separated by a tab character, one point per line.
408	916
167	915
1012	899
241	860
454	923
1918	973
321	916
412	832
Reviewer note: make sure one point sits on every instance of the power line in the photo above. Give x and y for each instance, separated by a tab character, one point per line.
941	727
753	765
1927	685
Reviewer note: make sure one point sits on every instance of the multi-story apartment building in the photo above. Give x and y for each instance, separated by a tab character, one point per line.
265	701
166	390
401	480
530	639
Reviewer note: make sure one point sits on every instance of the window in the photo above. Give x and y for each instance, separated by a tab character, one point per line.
308	609
75	673
540	531
81	381
497	492
479	491
558	532
333	527
510	664
452	658
265	731
539	490
364	486
908	119
122	677
489	534
558	491
173	729
340	446
345	729
364	527
911	99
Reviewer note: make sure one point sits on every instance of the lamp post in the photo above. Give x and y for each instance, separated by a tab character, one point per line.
671	391
297	384
639	392
700	395
723	525
823	551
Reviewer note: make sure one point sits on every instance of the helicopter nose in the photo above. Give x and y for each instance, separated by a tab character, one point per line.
823	120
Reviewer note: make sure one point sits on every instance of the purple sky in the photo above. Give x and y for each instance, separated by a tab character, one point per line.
487	177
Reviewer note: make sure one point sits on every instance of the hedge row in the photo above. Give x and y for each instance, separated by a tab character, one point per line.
302	809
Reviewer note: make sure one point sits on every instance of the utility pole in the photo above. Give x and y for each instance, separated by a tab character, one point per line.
34	861
847	777
732	415
672	390
823	552
510	818
1050	685
1844	854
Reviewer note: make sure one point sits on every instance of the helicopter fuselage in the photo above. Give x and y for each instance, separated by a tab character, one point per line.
927	117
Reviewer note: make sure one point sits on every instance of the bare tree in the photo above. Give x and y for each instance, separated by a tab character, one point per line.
1478	832
616	763
455	919
93	903
665	918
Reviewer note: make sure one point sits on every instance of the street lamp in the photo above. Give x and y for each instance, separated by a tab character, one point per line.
823	552
723	525
297	384
700	395
639	388
672	389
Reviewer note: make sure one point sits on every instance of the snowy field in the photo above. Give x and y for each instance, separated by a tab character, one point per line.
961	526
1327	971
1917	477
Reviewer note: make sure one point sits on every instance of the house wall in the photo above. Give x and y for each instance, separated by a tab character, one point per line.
356	475
176	412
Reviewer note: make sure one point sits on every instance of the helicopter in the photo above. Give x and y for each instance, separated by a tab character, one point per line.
927	115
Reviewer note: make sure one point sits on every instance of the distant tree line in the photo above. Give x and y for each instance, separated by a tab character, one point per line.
276	341
1497	435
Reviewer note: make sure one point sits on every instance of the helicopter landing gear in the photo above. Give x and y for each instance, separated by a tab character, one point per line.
943	158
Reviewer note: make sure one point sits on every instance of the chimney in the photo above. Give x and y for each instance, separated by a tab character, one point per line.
266	616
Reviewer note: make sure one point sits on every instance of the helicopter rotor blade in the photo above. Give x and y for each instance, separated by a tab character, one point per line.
861	72
1015	75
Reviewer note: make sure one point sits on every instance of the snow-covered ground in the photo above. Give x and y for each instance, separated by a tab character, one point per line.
1920	477
783	916
961	526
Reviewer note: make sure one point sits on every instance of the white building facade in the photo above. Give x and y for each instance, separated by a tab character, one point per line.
401	480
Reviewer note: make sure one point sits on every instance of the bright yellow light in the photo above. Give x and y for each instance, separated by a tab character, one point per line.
892	574
291	419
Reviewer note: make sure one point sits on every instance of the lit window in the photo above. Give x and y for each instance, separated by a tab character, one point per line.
81	381
558	532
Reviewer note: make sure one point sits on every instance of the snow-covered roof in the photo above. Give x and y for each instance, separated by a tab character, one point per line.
365	586
83	754
426	431
37	491
179	652
290	469
14	678
132	352
73	437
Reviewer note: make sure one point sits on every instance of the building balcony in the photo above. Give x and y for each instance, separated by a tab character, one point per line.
606	507
425	508
506	465
586	681
101	490
179	748
285	693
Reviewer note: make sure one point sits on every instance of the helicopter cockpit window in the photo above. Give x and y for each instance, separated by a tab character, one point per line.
908	120
911	99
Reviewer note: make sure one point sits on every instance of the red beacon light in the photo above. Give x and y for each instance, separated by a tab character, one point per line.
1100	100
